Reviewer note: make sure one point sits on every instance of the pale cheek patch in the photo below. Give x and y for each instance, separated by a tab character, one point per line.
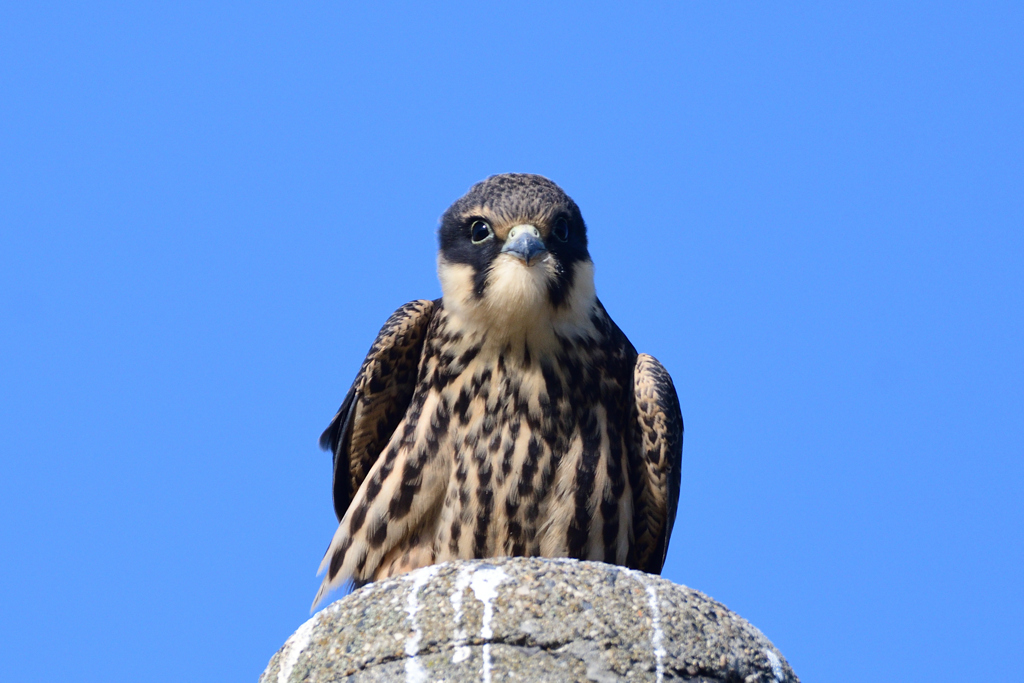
456	284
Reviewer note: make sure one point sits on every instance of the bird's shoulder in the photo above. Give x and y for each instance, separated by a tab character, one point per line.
378	398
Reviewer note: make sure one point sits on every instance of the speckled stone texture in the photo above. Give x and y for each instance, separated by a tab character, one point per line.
527	619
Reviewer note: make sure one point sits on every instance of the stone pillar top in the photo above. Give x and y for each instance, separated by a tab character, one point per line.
527	619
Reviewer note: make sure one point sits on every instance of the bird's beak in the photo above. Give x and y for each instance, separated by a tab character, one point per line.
524	243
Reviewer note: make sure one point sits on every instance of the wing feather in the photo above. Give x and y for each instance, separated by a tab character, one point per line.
659	443
377	400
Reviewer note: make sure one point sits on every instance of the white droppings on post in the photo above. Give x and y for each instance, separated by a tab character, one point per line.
657	635
294	646
461	583
484	583
776	663
414	671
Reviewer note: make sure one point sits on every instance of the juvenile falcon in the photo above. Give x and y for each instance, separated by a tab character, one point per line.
509	417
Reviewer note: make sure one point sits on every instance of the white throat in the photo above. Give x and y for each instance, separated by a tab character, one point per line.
516	307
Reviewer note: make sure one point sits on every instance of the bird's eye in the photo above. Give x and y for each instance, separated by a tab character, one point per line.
561	230
480	231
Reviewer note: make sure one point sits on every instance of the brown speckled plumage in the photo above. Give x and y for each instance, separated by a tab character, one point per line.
510	417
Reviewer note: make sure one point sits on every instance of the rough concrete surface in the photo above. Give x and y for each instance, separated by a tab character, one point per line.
527	619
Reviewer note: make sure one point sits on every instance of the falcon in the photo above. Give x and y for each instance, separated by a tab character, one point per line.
510	417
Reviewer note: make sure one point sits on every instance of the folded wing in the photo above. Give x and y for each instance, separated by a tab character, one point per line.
377	400
658	444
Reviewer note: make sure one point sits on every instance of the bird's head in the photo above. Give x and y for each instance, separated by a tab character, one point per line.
513	256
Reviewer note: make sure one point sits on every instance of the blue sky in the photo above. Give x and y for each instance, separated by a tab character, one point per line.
811	215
